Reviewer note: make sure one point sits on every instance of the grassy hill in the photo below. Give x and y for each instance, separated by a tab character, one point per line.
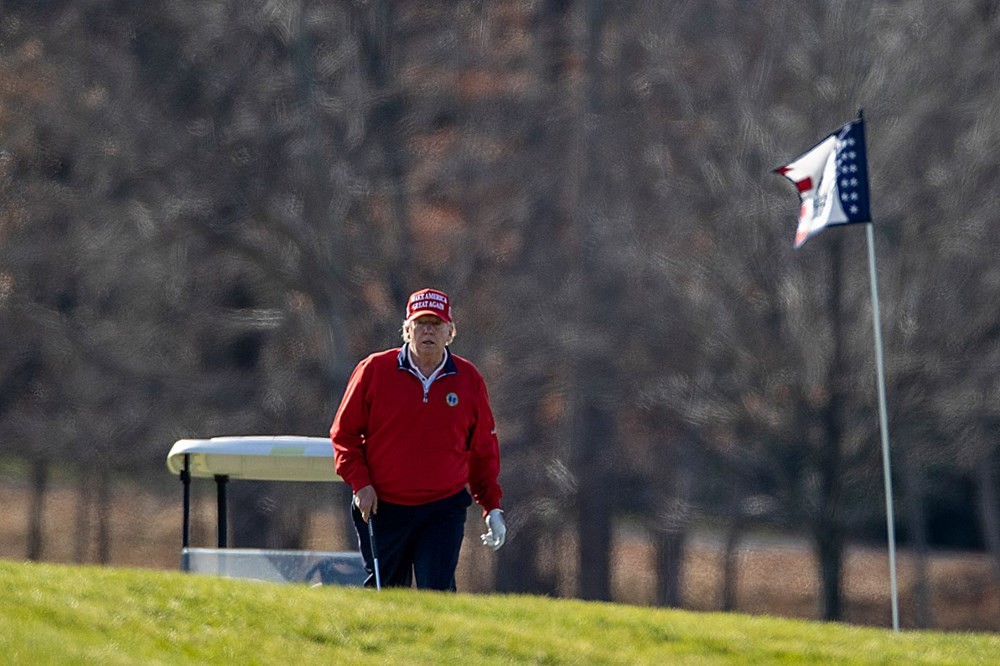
56	614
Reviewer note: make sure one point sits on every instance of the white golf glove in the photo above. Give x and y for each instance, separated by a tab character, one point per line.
496	530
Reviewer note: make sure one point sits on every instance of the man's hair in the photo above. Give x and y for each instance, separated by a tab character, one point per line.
405	332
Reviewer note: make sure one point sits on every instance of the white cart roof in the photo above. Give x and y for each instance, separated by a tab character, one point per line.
263	458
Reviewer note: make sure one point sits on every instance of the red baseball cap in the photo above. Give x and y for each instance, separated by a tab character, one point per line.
428	302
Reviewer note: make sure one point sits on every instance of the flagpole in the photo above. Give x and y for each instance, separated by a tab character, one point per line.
884	428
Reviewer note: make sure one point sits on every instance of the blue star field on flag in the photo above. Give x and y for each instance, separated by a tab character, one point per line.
832	179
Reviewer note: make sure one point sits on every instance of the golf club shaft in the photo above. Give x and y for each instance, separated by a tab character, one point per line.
371	540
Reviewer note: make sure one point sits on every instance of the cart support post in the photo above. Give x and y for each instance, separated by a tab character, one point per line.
221	480
186	529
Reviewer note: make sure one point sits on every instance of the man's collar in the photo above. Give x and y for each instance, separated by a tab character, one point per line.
403	360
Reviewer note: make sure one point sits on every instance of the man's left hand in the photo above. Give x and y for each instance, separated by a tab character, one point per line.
496	530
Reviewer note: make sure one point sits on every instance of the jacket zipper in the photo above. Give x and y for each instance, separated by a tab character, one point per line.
427	390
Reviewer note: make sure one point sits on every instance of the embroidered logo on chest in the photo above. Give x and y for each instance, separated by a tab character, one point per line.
451	399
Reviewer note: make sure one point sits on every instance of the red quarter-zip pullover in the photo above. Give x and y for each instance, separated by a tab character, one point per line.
416	448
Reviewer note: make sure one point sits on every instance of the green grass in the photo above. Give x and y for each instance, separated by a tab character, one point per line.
55	614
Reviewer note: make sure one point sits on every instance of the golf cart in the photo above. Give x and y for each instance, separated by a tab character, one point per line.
260	458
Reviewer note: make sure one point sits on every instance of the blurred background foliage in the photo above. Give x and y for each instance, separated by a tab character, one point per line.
211	211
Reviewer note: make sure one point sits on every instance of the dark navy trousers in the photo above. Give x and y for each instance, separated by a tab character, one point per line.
420	542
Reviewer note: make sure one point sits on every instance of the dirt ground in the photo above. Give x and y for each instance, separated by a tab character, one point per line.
776	577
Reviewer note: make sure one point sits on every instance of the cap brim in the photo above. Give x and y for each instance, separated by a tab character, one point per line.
433	313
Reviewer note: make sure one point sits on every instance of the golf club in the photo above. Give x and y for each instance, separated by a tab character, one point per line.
371	540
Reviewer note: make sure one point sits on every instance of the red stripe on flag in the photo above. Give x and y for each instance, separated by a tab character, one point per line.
803	185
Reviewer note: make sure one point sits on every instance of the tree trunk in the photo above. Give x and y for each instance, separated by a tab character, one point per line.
595	373
669	554
829	552
595	548
671	529
989	511
517	570
84	510
730	565
593	505
517	559
916	521
828	528
104	508
376	23
39	488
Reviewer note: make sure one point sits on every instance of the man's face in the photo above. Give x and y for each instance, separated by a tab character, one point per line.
428	335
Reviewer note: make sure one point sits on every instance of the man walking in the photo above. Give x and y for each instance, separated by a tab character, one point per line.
413	435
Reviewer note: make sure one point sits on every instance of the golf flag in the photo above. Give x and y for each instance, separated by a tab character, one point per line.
832	179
